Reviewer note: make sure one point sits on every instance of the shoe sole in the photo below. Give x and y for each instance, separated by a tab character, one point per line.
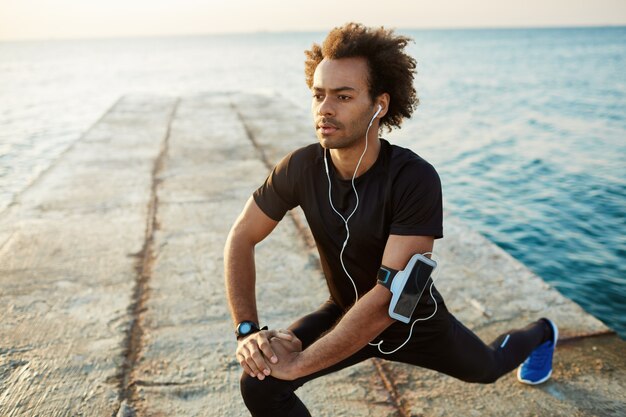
555	332
529	382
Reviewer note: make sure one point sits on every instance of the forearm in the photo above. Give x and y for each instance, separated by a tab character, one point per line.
240	278
361	324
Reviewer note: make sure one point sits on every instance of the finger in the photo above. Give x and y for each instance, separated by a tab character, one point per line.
284	334
259	360
295	340
254	370
242	361
245	354
266	348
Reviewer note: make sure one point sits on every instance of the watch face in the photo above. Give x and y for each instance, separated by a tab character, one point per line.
244	328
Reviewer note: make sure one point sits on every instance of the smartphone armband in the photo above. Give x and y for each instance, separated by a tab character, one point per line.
406	286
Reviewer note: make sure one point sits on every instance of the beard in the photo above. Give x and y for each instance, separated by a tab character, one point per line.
346	136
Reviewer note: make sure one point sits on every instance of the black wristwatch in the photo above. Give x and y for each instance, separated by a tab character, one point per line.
246	328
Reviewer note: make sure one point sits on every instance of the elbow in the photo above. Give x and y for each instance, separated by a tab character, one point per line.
381	300
242	233
238	239
384	318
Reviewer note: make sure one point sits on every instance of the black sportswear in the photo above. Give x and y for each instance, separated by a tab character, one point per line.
399	194
442	344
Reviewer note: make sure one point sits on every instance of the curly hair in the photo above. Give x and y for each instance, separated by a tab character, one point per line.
391	70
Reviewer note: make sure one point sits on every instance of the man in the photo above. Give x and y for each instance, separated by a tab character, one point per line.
370	205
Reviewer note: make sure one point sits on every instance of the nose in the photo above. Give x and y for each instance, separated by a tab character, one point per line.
325	107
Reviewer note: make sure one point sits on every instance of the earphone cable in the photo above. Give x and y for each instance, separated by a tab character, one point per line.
346	219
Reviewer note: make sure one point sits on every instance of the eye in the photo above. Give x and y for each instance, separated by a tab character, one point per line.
318	97
344	98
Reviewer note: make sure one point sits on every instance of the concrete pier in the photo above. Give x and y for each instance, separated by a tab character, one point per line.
112	298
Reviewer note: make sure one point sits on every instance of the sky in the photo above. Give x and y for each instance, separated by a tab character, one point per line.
48	19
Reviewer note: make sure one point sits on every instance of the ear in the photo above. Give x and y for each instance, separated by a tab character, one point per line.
382	101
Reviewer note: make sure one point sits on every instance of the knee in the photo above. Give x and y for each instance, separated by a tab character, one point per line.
481	378
258	394
492	369
488	377
487	374
252	390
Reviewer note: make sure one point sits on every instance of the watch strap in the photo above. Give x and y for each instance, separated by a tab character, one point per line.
254	329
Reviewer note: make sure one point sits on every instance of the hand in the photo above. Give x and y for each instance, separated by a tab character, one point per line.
254	351
288	351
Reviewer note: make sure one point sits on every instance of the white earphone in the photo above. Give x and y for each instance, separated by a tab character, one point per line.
346	219
345	242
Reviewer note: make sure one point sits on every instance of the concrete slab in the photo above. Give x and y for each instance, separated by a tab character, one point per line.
68	269
111	268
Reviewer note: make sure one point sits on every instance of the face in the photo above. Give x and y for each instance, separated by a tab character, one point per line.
341	106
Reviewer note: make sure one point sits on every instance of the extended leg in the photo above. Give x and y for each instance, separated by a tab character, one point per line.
458	352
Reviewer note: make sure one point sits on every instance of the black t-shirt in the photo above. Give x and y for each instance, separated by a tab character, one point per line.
400	194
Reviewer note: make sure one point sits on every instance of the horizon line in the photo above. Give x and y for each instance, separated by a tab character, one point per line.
292	31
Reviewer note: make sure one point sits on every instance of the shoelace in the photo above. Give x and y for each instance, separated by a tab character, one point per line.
539	356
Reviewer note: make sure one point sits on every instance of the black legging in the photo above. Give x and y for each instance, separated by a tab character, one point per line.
441	343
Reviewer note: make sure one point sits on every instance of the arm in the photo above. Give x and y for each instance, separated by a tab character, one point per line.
362	323
251	227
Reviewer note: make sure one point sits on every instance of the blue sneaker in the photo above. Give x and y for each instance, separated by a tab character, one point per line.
537	368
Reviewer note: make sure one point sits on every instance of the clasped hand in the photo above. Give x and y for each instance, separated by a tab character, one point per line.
270	352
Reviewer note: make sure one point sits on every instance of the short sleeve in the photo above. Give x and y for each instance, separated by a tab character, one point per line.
417	201
278	193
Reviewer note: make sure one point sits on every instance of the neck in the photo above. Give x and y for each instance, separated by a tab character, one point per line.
346	160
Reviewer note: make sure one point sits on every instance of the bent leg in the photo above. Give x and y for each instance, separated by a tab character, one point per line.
271	397
274	397
310	327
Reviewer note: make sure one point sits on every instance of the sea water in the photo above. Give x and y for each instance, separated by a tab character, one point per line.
527	127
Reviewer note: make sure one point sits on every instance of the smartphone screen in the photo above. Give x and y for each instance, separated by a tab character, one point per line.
413	289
